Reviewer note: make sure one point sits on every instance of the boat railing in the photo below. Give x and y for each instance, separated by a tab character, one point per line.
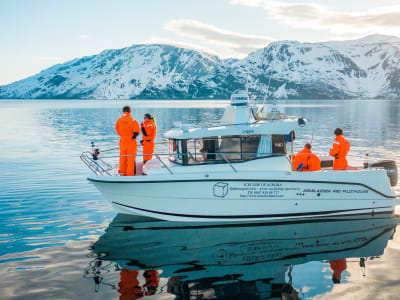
99	165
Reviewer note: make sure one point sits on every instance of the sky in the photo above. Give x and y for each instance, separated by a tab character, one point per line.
36	34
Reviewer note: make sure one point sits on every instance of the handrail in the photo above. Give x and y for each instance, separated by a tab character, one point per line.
227	160
163	163
100	167
212	153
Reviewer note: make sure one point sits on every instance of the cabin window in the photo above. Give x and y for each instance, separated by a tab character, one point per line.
176	150
230	147
233	148
278	144
265	146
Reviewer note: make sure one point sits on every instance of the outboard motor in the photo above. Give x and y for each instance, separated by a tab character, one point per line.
390	167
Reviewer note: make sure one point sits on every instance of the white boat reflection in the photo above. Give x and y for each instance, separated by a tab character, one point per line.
246	255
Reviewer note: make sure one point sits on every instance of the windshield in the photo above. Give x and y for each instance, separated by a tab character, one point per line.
220	149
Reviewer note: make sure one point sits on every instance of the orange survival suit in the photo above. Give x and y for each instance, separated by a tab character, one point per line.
339	150
310	161
128	129
338	266
129	286
149	132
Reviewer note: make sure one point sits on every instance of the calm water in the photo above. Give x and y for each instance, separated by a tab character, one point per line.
60	240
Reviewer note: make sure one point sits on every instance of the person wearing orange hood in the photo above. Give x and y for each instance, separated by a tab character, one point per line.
128	129
337	266
152	281
339	150
129	286
149	132
305	160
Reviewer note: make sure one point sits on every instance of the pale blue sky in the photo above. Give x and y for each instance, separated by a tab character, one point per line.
36	34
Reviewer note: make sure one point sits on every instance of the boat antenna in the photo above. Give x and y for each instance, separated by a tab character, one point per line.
247	83
266	94
313	130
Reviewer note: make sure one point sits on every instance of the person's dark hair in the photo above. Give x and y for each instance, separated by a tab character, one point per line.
338	131
151	117
126	108
308	145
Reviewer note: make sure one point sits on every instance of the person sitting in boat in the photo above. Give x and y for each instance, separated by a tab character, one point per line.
339	150
149	131
128	129
204	153
305	160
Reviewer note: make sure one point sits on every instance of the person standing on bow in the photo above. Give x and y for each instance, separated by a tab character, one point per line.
149	132
337	266
339	150
128	129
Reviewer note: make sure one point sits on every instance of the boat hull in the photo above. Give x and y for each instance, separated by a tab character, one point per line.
244	199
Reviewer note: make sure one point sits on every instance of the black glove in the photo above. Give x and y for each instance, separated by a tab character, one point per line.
141	142
135	134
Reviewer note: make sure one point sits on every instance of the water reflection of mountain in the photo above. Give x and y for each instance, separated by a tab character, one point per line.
240	261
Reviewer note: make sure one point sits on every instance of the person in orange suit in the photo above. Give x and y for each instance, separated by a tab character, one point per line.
128	129
129	286
339	150
149	132
309	161
152	281
337	266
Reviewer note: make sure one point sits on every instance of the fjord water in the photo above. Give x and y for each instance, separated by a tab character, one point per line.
53	238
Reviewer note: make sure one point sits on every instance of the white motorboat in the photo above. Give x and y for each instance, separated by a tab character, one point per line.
240	170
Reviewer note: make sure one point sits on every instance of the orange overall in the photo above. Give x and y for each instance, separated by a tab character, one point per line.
127	128
149	132
152	280
339	150
310	161
338	266
129	287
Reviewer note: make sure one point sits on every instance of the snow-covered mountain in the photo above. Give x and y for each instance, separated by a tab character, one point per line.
363	68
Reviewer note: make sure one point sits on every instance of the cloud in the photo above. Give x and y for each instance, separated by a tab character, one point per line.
384	20
83	36
242	44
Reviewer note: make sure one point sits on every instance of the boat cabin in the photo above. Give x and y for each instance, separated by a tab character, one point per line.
242	135
220	149
229	143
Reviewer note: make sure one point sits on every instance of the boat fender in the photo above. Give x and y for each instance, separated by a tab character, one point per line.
391	169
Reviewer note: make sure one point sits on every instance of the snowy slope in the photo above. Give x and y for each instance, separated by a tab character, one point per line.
363	68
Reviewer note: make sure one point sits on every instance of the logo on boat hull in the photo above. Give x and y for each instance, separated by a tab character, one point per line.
220	189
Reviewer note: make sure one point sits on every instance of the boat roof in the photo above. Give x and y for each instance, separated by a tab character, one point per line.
265	127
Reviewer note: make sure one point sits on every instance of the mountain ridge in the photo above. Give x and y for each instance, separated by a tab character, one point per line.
364	68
